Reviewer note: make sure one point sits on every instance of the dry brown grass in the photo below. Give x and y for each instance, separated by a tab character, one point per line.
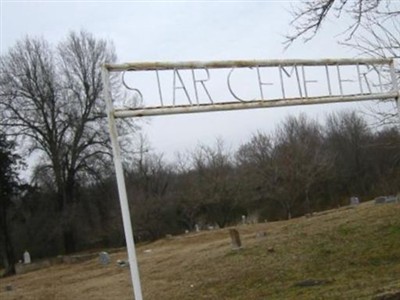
356	250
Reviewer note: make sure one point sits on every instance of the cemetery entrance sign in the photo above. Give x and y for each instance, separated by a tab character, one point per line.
192	87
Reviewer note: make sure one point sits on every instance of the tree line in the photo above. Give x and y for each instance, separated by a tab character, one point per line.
302	167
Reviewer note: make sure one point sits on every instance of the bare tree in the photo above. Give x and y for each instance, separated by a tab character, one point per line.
385	153
309	16
255	164
217	183
51	100
348	139
381	39
188	194
9	184
148	189
300	162
374	31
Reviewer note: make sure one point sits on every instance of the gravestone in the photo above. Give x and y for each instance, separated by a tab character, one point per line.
27	257
104	258
354	201
197	227
235	239
391	199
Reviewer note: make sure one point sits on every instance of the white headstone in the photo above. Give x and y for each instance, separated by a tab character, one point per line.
197	227
27	257
354	201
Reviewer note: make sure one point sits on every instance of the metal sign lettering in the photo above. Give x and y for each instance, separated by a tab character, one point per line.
188	87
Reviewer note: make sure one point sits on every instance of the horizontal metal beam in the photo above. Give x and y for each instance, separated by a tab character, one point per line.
187	109
149	66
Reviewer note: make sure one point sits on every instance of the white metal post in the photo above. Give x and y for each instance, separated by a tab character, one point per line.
123	198
395	85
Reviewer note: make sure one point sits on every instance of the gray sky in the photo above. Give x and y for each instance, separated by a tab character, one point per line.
179	31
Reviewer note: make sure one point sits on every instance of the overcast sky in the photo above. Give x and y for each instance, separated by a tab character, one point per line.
179	31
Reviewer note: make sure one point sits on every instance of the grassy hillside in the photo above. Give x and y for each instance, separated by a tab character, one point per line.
350	253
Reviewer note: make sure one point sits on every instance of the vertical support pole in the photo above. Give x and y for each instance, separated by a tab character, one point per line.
395	85
123	198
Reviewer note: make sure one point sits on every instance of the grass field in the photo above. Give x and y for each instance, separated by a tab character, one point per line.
354	253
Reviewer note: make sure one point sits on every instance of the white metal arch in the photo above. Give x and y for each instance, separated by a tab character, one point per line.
384	69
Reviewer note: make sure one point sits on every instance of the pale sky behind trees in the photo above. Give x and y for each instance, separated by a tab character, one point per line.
181	31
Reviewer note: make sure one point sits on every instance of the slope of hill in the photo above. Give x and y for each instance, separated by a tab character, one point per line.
349	253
